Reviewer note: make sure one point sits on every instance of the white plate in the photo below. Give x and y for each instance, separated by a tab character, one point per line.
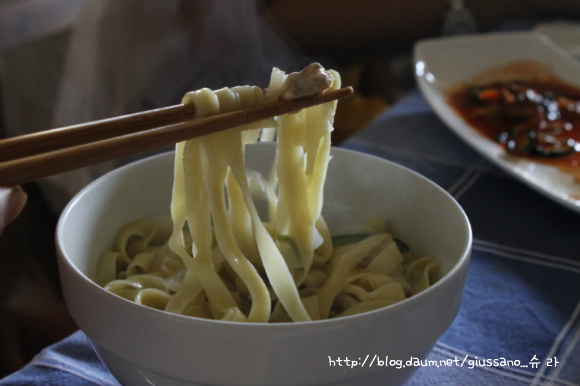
563	33
441	64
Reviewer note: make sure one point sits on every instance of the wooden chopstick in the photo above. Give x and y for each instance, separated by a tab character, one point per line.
54	158
48	140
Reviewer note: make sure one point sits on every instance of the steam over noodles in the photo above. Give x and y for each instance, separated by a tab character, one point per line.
216	258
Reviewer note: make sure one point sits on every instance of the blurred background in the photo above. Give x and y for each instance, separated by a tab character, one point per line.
69	61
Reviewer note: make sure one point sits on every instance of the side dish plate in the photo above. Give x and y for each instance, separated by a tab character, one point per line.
441	64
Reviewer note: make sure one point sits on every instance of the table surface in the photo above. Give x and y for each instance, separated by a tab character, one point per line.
519	323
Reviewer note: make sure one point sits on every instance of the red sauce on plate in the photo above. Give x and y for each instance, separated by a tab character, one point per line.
534	119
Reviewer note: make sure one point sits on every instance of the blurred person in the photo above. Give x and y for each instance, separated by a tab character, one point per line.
32	312
12	201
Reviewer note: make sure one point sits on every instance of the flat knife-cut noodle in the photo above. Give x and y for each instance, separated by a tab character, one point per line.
215	257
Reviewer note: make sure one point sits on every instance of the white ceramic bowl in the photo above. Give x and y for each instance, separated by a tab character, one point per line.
143	346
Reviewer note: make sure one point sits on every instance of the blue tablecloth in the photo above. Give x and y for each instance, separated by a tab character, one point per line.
519	323
522	296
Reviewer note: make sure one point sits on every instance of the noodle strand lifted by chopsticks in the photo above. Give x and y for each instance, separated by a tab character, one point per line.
222	260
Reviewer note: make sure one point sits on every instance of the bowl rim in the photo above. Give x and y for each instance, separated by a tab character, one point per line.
357	318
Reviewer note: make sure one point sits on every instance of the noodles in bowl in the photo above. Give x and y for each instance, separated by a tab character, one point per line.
144	346
217	259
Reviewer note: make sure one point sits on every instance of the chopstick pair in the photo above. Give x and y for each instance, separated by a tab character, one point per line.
29	157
